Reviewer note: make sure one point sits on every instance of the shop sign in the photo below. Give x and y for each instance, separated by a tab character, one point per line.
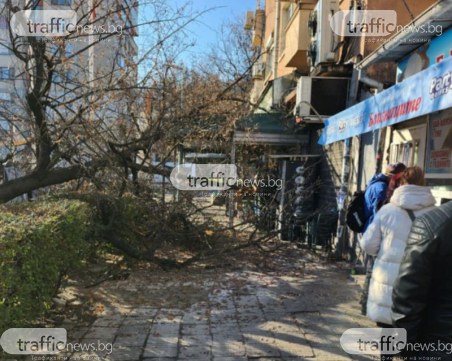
423	93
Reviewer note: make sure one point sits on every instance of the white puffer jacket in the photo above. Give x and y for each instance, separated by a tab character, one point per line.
386	238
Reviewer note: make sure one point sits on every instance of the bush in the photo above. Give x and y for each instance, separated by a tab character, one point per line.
39	242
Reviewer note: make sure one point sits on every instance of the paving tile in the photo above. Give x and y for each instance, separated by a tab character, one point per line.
165	329
294	347
101	333
196	316
143	312
225	328
191	352
195	329
281	327
221	318
244	303
266	348
327	347
255	318
169	316
160	349
228	347
109	321
194	341
158	340
130	330
137	340
137	321
123	353
76	334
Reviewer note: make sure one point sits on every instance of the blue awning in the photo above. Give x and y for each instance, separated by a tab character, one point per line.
425	92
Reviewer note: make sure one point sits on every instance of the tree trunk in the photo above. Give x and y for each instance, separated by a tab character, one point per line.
16	187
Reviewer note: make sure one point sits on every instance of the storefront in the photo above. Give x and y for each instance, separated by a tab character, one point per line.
417	112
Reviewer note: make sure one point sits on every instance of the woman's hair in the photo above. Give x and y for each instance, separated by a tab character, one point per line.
413	175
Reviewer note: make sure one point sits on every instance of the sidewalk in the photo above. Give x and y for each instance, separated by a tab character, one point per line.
296	312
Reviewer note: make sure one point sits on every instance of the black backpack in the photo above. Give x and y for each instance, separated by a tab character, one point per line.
354	215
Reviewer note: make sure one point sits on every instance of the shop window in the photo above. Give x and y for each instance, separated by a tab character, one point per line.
408	146
405	152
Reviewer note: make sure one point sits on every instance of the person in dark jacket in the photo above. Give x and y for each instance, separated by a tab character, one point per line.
422	293
376	191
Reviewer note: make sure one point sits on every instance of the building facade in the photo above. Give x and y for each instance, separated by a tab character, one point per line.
316	75
99	53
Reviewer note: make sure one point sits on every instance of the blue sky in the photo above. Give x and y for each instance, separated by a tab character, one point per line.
205	30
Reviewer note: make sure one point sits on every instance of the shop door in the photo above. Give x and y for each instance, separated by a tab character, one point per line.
408	146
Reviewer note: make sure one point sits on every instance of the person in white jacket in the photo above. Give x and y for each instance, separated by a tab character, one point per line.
386	239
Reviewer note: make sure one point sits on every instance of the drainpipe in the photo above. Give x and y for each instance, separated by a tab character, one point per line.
363	78
276	32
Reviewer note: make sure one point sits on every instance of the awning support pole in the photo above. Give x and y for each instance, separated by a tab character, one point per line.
231	192
340	246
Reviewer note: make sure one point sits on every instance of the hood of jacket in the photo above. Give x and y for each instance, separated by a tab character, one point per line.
380	177
413	197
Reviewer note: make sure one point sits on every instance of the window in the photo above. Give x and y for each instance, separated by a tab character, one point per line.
70	75
38	4
3	23
5	96
6	73
4	48
5	125
62	2
120	61
63	77
64	49
53	49
68	50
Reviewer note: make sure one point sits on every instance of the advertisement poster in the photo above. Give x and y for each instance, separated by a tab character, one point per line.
431	53
439	146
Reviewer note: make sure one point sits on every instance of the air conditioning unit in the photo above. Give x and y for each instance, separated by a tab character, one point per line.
321	49
258	71
327	96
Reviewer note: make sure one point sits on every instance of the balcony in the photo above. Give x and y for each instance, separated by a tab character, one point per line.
296	41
